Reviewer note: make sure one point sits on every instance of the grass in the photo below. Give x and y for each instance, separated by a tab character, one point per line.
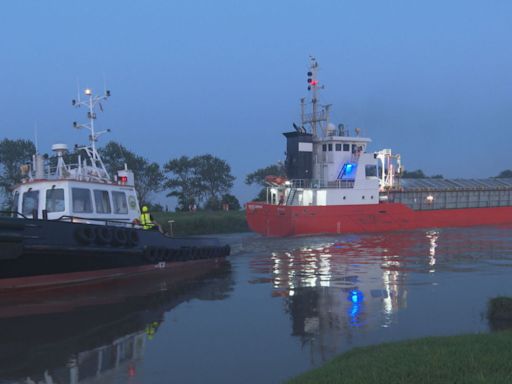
482	358
203	222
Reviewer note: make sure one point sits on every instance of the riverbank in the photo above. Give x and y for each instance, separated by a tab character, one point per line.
202	222
481	358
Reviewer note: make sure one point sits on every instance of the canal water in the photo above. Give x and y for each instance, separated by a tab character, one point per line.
277	308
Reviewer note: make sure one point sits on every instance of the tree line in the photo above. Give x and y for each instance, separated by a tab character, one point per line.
203	181
197	182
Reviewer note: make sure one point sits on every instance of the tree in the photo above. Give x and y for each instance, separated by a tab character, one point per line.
231	201
214	175
149	177
193	180
13	154
505	174
183	182
418	174
258	177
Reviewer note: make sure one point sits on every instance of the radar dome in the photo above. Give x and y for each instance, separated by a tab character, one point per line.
331	128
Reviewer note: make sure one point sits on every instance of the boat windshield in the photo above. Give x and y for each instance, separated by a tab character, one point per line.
30	202
15	202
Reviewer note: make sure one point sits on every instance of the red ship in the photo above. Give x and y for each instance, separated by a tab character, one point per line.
335	185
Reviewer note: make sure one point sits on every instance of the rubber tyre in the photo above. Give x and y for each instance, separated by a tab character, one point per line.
85	235
120	237
103	235
133	237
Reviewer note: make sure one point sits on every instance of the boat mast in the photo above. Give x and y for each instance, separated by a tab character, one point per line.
92	101
317	116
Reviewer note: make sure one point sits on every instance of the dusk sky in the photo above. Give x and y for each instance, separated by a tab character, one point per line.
432	80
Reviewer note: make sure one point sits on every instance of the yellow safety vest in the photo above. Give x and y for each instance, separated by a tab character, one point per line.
145	220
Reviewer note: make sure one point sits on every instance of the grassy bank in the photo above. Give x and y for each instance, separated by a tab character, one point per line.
203	222
483	358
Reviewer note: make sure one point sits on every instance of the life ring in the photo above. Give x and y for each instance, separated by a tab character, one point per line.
120	237
85	235
103	235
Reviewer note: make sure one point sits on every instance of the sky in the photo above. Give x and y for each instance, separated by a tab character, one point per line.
431	80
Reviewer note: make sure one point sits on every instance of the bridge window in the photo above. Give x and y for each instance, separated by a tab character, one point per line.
55	200
370	170
346	147
120	204
324	147
338	147
30	202
102	201
330	147
82	202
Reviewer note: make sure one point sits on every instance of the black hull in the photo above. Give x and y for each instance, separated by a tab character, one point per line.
46	248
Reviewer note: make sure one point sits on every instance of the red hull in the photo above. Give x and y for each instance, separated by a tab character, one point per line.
280	221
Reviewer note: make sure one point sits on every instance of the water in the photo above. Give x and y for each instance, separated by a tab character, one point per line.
278	308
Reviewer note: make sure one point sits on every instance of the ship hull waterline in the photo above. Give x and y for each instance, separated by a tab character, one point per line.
281	220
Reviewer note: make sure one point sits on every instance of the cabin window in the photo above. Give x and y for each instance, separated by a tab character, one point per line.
102	201
370	170
15	202
346	147
55	200
82	202
330	147
324	147
30	202
338	147
354	148
120	204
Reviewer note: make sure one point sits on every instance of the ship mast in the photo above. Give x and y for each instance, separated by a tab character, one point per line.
98	170
319	113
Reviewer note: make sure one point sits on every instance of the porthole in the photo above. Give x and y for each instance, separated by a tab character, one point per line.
363	197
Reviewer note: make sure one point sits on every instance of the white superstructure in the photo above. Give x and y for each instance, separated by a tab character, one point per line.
81	190
327	165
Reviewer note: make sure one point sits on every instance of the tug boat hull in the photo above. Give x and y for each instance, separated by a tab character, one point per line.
46	252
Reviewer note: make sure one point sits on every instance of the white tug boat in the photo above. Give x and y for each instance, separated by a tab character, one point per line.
71	223
80	192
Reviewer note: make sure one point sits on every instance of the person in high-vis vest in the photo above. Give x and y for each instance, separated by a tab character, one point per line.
146	220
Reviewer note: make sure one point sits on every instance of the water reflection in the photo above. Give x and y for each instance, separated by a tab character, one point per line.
337	288
95	333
